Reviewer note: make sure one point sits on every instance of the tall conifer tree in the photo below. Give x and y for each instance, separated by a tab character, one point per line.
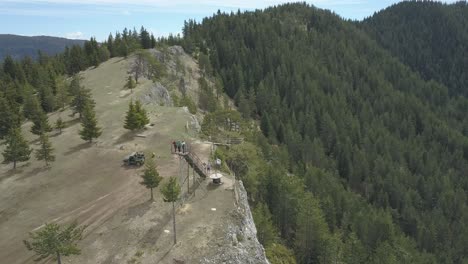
90	129
45	150
17	148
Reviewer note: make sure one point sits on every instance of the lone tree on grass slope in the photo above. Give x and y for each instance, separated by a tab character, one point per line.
59	125
52	240
142	114
45	151
130	83
90	128
136	117
151	178
171	192
17	148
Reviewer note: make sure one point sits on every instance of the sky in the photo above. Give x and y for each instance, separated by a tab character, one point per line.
82	19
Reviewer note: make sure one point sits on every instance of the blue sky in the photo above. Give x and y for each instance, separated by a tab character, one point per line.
85	18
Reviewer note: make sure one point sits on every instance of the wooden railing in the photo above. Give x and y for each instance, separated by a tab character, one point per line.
196	164
192	159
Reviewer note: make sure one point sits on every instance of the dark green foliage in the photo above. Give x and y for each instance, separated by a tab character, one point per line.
206	98
130	84
62	93
145	39
131	119
17	148
151	178
8	118
54	241
171	190
189	103
91	50
136	117
40	123
428	36
59	124
279	254
31	107
81	99
90	129
266	232
142	115
313	242
383	152
45	150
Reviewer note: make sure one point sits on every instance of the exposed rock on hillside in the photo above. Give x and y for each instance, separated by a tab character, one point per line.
240	244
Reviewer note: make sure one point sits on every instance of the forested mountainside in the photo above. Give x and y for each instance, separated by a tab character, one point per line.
22	46
370	160
428	36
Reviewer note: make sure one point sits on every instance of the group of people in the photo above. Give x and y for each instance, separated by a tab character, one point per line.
179	146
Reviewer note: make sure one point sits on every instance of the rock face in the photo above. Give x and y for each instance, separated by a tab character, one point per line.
240	244
157	94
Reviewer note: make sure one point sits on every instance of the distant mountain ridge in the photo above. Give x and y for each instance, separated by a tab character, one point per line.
21	46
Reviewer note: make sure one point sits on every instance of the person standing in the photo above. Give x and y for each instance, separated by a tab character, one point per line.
175	146
178	145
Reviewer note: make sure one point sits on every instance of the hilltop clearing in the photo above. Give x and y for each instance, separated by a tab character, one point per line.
88	182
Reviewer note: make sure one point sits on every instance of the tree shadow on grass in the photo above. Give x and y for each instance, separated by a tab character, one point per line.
34	172
129	135
140	209
56	133
10	173
71	122
117	61
77	148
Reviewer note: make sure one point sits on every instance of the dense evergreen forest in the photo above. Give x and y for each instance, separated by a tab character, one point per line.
428	36
360	159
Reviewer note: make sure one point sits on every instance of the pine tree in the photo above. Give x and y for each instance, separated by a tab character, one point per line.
59	125
89	125
75	86
17	148
171	192
40	123
142	115
7	117
131	119
153	41
266	232
52	240
145	38
130	83
151	178
45	151
81	100
62	95
31	107
47	97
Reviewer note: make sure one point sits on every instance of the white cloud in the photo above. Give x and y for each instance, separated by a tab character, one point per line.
75	35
